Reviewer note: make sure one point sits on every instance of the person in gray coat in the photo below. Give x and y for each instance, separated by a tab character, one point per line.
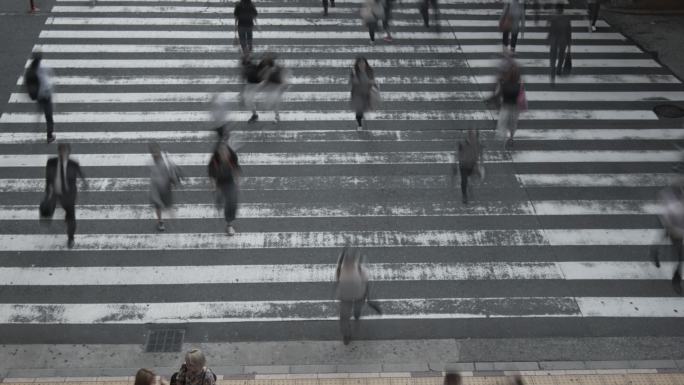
512	22
560	40
352	283
364	89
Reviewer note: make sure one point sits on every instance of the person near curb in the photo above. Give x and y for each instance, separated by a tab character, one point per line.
38	83
60	187
351	290
672	220
364	89
194	371
245	15
560	40
32	7
147	377
511	23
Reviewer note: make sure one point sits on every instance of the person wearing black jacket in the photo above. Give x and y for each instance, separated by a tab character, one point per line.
60	186
468	156
560	39
245	14
224	169
325	6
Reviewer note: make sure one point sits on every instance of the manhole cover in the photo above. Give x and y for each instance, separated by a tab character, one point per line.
165	340
668	111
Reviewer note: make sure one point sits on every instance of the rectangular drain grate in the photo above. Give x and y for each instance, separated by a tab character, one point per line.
164	340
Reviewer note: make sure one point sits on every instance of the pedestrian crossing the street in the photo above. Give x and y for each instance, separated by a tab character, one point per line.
555	240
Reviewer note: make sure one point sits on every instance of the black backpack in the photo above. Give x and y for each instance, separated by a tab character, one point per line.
32	82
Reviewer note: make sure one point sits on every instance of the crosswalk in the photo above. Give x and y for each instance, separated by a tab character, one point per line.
554	242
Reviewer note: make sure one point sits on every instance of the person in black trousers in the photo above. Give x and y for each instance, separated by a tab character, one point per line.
245	14
560	39
468	156
593	7
424	11
224	169
60	186
38	83
325	6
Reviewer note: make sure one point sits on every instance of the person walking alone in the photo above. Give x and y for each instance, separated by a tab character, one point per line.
245	14
593	8
560	39
364	89
469	152
164	175
225	170
425	12
325	6
372	12
507	92
60	187
38	82
351	290
672	220
511	23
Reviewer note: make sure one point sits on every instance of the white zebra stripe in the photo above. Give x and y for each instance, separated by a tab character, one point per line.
285	273
629	156
596	180
599	134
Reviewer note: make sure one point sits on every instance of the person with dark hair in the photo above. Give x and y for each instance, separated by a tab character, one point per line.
38	83
245	14
60	187
560	39
512	22
147	377
225	170
364	89
507	91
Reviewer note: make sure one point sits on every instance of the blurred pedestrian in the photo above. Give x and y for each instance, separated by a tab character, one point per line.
452	378
372	11
60	187
273	85
32	6
536	10
147	377
469	155
425	12
511	23
508	90
672	220
194	371
388	4
225	170
245	14
164	175
38	82
252	80
351	290
593	8
560	39
364	89
325	6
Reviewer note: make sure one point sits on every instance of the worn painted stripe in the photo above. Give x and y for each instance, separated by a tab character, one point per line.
206	97
261	34
134	80
605	96
620	307
223	35
629	156
223	48
221	63
272	10
293	1
304	116
262	183
354	210
596	180
280	311
137	80
276	21
599	134
425	238
543	48
258	158
285	273
578	63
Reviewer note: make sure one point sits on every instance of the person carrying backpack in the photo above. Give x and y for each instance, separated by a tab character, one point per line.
37	80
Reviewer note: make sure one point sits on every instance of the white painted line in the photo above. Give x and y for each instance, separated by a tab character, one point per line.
247	183
328	115
626	156
272	10
280	1
206	97
224	48
598	134
286	273
223	35
592	79
596	180
346	22
353	210
578	63
134	80
543	48
257	158
631	306
605	96
220	63
279	311
425	238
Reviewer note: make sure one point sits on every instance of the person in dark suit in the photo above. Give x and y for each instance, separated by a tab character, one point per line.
60	186
560	39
